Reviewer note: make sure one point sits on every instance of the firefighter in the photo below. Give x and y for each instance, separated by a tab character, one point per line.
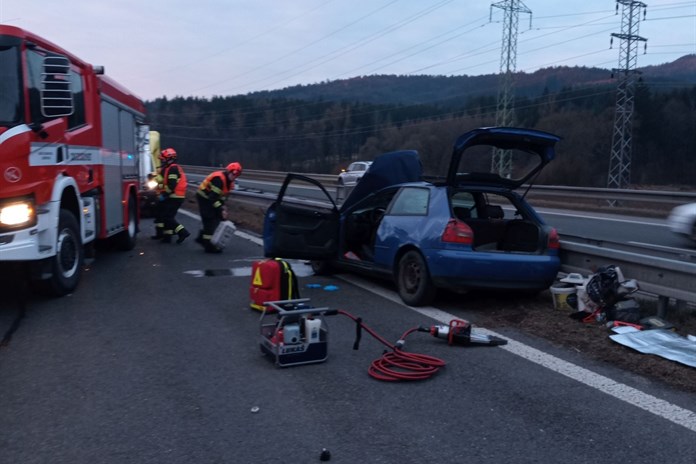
171	197
211	196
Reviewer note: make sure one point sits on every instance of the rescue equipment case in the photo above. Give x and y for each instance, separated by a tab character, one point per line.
294	332
223	233
272	280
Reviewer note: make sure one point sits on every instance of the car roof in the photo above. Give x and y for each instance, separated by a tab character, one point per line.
356	163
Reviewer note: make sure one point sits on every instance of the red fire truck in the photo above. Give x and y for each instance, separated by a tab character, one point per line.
69	160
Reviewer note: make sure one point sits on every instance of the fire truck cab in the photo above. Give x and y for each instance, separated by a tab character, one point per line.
70	141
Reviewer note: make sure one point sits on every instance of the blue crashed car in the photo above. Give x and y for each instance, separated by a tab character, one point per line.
467	229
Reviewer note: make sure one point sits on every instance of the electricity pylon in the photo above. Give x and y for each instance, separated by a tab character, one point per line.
620	160
504	116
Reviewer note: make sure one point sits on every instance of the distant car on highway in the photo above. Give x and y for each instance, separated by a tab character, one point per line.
467	230
682	221
354	172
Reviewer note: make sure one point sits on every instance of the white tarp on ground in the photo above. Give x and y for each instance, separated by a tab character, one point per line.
660	342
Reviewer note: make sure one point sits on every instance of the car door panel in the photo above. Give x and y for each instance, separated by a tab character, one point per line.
301	228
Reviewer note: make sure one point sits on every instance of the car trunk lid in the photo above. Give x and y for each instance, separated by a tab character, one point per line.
502	156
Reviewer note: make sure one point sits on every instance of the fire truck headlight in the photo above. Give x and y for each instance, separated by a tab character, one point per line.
15	214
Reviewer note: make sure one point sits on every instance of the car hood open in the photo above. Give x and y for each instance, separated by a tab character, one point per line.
391	168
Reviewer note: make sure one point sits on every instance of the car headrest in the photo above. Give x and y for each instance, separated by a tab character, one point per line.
494	212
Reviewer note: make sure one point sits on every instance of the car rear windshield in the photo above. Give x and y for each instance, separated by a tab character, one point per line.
510	164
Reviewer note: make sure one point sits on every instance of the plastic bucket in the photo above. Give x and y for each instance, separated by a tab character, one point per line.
561	294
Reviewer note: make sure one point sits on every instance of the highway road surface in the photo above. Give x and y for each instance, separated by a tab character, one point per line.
156	359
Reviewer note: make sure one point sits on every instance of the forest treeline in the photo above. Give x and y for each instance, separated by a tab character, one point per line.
318	129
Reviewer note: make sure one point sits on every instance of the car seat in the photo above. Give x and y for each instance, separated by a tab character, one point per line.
494	212
520	235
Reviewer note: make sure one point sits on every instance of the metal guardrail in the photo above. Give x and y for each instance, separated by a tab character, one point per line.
648	202
664	277
669	276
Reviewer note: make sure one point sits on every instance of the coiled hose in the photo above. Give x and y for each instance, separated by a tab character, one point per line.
397	365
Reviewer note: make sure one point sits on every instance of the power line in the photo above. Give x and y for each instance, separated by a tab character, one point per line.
304	47
333	55
487	112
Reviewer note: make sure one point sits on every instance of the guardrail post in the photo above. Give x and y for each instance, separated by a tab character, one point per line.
662	306
342	192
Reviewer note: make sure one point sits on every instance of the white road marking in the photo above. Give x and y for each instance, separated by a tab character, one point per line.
673	413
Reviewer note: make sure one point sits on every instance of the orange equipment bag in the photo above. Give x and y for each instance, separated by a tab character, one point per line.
272	280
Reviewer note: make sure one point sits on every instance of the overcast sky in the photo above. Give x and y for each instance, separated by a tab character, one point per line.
229	47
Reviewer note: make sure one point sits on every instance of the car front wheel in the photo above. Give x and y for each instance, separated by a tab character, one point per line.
413	280
321	267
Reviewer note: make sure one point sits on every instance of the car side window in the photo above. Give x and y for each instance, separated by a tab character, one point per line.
411	201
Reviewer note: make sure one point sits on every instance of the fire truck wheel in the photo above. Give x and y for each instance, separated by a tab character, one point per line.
126	240
66	265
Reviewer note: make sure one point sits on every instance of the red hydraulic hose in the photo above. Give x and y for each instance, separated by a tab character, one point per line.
397	365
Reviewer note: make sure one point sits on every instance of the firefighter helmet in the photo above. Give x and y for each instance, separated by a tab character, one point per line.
235	168
168	154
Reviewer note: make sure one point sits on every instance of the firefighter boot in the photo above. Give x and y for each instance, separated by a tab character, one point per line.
199	239
183	234
210	248
167	237
158	234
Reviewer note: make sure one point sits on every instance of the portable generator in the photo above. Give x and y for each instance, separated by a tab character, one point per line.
293	332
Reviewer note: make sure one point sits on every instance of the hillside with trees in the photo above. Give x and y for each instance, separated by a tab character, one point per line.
322	127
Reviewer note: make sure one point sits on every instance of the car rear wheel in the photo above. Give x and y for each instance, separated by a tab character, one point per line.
413	280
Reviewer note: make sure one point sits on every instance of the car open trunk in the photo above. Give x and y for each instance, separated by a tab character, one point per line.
499	222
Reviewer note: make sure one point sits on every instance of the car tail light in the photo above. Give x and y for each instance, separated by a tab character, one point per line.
458	232
554	243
